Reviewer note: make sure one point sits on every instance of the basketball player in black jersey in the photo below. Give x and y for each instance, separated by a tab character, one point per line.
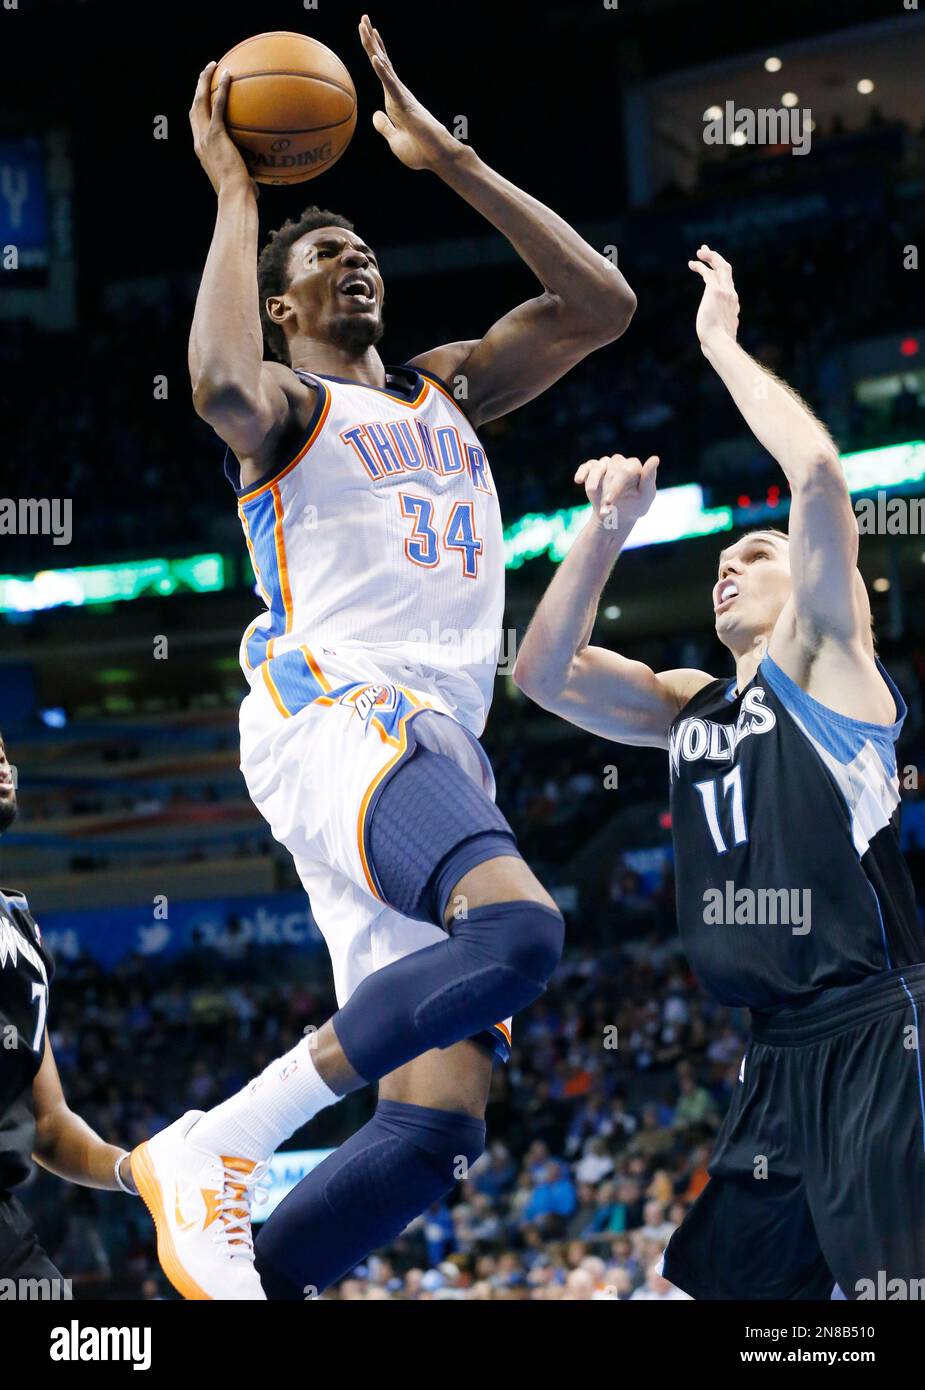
793	896
35	1121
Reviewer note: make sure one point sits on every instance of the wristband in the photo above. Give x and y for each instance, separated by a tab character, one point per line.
118	1175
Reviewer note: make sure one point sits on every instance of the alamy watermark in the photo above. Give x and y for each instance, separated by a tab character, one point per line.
86	1343
879	515
35	1290
37	516
885	1289
786	125
472	646
759	907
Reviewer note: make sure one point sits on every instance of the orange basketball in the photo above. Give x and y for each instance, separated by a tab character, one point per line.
292	106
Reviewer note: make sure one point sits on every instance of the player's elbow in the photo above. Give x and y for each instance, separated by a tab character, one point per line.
215	396
622	309
820	469
614	305
602	313
612	308
48	1131
538	680
524	674
827	463
233	411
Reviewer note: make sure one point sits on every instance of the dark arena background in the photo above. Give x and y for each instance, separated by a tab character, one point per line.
186	953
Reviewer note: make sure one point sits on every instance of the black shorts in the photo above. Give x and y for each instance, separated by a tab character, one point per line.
818	1176
26	1272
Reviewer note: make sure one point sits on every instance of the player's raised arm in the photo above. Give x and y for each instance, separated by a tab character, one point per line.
829	598
585	303
65	1144
593	687
233	389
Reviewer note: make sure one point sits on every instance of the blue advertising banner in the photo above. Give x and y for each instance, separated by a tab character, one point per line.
23	208
227	927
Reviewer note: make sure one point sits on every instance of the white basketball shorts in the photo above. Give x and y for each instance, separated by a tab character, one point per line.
312	769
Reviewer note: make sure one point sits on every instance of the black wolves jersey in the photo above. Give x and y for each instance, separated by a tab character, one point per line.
25	973
785	817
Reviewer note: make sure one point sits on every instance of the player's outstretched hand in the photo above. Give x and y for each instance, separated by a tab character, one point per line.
620	490
415	136
718	315
215	149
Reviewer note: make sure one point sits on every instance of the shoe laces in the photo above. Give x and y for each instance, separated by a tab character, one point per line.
243	1184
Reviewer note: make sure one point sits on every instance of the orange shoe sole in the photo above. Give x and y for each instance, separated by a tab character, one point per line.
151	1194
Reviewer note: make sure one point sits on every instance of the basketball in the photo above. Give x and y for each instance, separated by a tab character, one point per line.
292	106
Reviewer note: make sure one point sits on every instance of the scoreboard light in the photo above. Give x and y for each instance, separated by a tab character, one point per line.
865	470
895	465
92	584
676	514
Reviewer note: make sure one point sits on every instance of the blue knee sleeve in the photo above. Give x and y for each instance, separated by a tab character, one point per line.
363	1196
429	825
493	963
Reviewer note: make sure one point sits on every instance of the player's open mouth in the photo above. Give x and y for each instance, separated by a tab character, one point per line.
727	591
358	287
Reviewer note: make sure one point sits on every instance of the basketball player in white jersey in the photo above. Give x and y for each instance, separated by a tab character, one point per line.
372	520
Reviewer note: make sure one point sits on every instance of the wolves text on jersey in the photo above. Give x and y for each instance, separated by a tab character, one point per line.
693	739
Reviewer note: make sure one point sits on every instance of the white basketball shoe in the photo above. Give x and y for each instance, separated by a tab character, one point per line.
200	1203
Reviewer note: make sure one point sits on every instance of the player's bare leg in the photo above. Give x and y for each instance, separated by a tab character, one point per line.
454	1078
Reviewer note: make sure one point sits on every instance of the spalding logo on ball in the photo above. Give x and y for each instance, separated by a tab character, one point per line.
292	106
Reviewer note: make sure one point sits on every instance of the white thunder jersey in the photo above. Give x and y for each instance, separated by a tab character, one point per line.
380	545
